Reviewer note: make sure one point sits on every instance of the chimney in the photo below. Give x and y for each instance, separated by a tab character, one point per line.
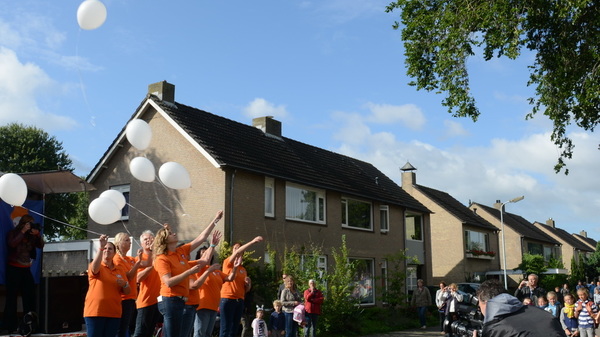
409	177
550	222
498	204
583	233
268	125
164	90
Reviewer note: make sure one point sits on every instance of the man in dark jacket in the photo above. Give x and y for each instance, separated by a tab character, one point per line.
505	316
531	289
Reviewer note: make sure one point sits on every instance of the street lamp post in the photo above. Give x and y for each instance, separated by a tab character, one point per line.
517	199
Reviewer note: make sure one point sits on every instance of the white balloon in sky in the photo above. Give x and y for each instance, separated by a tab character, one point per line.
13	189
104	211
174	175
142	169
117	197
91	14
138	133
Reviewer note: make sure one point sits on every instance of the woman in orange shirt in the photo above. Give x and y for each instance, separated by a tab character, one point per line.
171	263
102	310
123	245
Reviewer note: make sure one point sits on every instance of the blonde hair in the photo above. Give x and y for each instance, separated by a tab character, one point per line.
584	290
119	238
159	246
277	303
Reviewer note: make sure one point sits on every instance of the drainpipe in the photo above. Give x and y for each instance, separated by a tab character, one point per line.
231	208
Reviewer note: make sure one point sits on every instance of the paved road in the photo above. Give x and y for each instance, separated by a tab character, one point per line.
429	332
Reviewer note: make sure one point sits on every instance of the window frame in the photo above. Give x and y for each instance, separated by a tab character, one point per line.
270	186
368	282
468	240
345	203
384	214
414	214
320	203
125	189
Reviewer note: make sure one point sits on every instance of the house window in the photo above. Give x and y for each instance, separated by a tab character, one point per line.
304	204
356	214
124	189
414	226
269	197
476	241
411	278
363	281
384	218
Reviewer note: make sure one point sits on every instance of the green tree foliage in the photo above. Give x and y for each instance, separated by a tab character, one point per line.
592	263
577	269
29	149
550	281
394	295
440	35
533	263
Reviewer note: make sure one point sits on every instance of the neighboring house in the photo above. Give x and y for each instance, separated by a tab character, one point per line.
571	246
291	193
462	245
521	237
582	236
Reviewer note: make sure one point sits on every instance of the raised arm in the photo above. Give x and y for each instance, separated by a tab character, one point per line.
97	262
204	235
243	248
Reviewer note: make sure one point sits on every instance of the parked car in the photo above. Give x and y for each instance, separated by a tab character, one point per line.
469	288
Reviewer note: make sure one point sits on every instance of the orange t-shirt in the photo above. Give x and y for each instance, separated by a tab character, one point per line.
235	289
103	298
127	263
174	263
149	287
210	291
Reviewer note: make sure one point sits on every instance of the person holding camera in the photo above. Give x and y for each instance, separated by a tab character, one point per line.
451	297
22	242
529	288
506	316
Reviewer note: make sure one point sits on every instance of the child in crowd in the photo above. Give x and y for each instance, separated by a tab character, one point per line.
277	321
542	303
585	311
567	317
553	305
259	326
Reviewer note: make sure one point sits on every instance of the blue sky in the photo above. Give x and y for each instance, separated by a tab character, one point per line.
332	71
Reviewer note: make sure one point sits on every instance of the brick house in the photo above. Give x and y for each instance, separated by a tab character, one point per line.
571	246
291	193
521	237
583	237
462	245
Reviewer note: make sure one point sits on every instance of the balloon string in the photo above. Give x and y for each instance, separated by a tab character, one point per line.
146	215
131	235
167	189
81	86
63	223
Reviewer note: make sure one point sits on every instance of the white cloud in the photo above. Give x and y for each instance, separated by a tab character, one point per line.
260	107
454	129
408	115
500	169
21	86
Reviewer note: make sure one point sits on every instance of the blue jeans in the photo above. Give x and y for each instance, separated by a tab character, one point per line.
102	326
311	325
421	311
146	320
291	327
172	310
231	314
204	323
127	306
189	313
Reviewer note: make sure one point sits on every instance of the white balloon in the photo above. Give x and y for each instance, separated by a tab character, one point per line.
117	197
91	14
142	169
104	211
174	175
138	133
13	189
